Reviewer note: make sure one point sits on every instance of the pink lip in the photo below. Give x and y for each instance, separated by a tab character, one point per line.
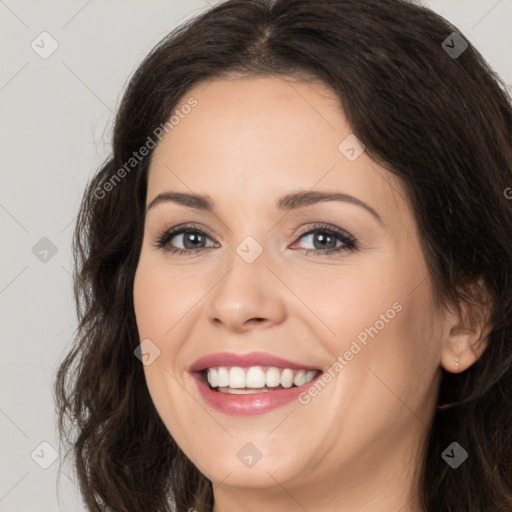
245	360
251	404
248	405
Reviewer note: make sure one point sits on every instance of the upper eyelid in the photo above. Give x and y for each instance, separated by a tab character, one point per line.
315	226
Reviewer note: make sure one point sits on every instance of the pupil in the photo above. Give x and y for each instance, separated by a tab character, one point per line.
189	236
323	238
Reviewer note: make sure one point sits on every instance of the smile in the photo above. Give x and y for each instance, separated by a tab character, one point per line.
256	379
250	384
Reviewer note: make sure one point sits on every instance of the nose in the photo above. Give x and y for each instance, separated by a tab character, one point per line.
248	296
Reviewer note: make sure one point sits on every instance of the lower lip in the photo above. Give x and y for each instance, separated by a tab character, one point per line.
250	404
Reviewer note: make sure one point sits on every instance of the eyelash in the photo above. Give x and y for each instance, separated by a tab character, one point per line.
348	241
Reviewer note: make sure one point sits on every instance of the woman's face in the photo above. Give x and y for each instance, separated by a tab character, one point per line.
261	287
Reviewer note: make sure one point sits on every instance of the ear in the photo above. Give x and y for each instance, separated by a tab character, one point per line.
466	334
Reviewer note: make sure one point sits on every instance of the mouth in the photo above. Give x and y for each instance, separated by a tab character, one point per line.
237	380
251	383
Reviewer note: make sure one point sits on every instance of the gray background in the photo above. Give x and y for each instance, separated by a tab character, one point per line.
55	124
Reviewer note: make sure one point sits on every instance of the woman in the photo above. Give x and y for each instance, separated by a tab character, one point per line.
294	271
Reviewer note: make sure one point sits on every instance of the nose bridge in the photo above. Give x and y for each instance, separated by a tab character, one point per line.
250	250
246	292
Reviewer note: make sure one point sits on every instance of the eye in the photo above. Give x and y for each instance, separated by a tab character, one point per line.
325	240
192	239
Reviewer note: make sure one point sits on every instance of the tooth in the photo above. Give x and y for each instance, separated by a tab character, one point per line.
272	377
255	377
223	377
213	377
287	378
243	391
236	377
300	378
310	375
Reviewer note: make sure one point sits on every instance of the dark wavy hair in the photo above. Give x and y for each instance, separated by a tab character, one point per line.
440	122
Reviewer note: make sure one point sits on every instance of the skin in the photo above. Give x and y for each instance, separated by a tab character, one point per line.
354	446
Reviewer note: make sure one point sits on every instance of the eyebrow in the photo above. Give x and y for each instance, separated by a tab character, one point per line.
291	201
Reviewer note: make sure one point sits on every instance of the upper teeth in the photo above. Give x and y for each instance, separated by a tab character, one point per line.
257	377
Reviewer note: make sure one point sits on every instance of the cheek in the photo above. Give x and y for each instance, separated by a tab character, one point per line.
157	311
355	301
162	296
380	318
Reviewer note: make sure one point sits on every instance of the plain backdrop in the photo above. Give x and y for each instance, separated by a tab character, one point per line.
55	124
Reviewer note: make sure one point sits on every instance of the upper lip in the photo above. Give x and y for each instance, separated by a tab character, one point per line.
229	359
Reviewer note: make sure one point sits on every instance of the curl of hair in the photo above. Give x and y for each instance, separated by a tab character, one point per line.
442	125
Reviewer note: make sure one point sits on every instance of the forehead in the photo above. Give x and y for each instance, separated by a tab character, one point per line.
253	139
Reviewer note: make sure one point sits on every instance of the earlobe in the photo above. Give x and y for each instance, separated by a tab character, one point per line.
461	350
466	338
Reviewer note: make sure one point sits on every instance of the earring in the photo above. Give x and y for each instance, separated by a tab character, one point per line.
457	363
